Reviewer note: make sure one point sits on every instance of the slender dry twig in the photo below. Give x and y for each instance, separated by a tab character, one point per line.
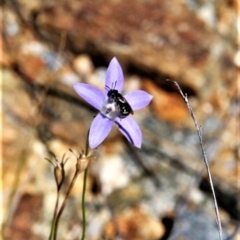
199	131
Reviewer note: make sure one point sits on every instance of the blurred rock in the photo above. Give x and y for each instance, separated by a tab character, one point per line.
134	223
168	106
194	225
83	64
24	220
168	41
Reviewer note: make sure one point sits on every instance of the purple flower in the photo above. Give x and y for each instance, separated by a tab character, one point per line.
113	107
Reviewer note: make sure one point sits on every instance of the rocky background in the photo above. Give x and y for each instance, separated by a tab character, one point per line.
158	192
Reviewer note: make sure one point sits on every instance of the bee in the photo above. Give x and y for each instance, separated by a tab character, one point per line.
123	106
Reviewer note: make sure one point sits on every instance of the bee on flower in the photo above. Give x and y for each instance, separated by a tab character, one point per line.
113	107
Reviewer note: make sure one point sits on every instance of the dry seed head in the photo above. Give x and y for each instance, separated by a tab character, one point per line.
82	160
59	172
82	164
59	175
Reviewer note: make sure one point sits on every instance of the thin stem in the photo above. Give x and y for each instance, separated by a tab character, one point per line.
64	204
199	131
83	193
83	204
57	215
53	226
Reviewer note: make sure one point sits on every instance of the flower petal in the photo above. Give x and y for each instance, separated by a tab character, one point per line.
90	94
100	128
138	99
130	129
114	76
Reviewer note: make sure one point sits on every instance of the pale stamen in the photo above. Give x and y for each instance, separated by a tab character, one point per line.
110	110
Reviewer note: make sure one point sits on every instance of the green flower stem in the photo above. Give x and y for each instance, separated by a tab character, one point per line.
52	229
83	204
83	193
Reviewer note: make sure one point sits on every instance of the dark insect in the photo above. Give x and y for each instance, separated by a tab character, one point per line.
122	104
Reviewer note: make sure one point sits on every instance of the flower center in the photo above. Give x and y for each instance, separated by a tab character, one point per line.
110	109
